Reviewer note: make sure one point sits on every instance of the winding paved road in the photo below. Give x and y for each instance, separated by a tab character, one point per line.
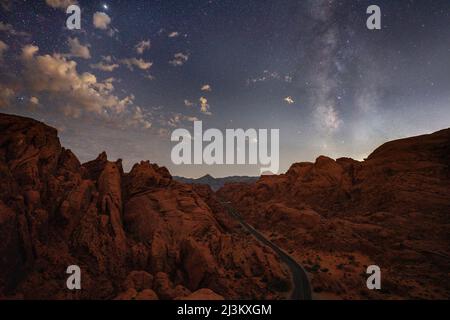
302	288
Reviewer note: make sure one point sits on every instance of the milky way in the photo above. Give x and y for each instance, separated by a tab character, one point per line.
139	69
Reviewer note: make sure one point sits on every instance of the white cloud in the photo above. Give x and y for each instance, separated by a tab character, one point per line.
206	87
60	4
173	34
55	79
179	59
34	100
58	78
139	63
139	118
105	64
142	46
78	50
289	100
104	67
29	51
101	20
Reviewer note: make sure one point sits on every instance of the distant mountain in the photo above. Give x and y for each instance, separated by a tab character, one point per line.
217	183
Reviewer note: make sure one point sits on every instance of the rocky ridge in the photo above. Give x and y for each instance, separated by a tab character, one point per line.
136	235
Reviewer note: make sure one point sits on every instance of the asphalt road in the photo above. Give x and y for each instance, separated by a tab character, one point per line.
302	288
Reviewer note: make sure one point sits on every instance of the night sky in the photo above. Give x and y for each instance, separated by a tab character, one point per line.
137	70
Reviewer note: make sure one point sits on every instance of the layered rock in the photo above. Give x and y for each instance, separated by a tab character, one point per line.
137	235
338	216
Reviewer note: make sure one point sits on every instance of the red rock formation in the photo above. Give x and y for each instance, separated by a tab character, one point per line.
337	217
136	235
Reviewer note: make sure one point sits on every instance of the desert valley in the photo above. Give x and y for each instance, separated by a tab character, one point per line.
143	235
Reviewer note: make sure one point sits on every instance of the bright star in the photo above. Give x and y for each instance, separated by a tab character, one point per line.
105	6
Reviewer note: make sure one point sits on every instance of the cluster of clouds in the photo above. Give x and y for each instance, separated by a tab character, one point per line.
142	46
54	77
57	77
102	21
53	82
140	63
179	59
106	64
77	50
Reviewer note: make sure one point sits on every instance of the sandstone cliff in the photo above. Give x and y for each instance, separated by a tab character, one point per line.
338	216
136	235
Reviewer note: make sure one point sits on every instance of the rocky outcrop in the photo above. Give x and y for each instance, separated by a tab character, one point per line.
137	235
336	217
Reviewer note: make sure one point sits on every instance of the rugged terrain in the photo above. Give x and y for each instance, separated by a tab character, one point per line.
136	235
142	235
336	217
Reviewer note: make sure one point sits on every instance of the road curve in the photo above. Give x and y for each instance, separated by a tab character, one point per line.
302	288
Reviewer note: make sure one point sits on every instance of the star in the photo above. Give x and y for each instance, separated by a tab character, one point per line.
105	6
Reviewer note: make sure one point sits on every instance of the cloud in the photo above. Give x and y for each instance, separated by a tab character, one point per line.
29	51
77	50
289	100
139	63
105	64
139	118
53	82
5	27
3	48
188	103
206	87
204	106
60	4
58	78
34	101
191	119
142	46
175	119
173	34
179	59
101	20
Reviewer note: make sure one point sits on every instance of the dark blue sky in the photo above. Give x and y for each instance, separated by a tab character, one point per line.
309	68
